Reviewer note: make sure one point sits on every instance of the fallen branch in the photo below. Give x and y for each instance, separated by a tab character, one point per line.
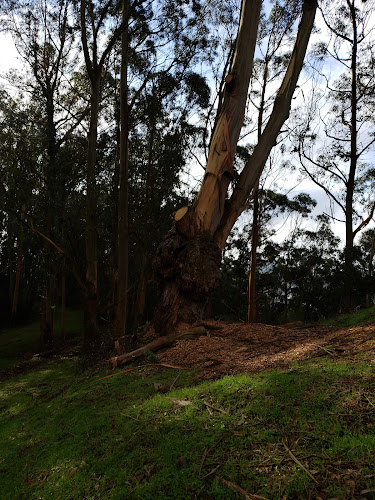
156	345
210	326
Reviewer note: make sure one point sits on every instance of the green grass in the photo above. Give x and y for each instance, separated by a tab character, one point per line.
360	318
305	431
66	434
16	343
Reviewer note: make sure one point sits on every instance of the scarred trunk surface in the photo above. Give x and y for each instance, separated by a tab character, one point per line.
188	271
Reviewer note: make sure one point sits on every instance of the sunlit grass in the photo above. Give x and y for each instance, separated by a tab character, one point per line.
81	437
160	433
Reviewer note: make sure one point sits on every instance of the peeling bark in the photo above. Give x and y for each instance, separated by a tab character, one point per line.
209	206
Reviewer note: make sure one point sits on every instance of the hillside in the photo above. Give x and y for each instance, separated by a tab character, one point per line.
245	412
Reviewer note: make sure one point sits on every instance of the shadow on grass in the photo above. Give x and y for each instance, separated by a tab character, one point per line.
303	432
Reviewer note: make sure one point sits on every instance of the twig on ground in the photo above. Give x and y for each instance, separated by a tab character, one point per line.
129	416
247	495
174	381
204	456
300	464
175	367
207	451
212	472
329	351
214	407
371	403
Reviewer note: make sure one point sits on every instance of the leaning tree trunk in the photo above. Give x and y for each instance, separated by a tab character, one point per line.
187	264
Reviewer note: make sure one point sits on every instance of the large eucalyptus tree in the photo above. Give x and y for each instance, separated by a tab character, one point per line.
187	263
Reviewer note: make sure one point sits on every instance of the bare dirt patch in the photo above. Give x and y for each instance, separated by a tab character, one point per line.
232	348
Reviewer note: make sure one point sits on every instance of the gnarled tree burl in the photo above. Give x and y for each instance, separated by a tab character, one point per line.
187	264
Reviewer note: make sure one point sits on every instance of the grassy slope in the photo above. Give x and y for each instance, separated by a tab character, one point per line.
25	340
66	434
359	318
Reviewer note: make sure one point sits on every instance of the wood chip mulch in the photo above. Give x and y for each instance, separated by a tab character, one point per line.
231	348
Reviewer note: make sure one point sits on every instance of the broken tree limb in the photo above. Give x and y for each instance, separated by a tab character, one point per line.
157	344
182	220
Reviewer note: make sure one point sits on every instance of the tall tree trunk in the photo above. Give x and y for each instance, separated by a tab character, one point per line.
371	256
63	303
187	264
251	311
369	302
209	205
19	264
45	322
349	237
91	295
145	236
123	204
140	301
52	190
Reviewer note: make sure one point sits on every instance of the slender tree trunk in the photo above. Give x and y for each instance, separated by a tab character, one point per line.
18	266
90	309
251	311
140	302
371	256
63	304
52	192
370	269
286	302
144	244
349	237
123	204
45	322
